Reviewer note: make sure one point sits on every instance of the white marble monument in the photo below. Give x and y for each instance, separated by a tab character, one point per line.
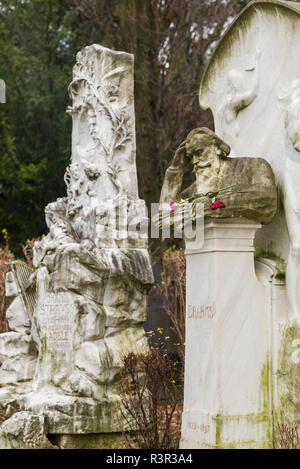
243	305
85	303
254	73
227	365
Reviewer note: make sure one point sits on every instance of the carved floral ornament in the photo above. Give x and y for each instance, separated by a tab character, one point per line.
95	94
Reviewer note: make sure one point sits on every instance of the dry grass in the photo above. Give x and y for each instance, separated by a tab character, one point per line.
151	396
5	256
287	436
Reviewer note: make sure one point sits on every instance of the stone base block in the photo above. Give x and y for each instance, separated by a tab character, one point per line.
25	430
89	441
75	415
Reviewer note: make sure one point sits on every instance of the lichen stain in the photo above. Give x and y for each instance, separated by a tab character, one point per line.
288	379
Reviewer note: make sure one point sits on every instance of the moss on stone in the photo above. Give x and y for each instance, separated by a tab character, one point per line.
288	379
265	384
263	419
251	419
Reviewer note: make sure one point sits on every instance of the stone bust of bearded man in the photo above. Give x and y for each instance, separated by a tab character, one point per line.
253	195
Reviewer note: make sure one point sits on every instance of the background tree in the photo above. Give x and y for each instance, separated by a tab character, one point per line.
38	43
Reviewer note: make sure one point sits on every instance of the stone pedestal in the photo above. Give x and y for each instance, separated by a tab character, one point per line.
227	399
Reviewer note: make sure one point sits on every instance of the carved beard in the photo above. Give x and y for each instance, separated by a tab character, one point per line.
207	174
214	164
206	180
201	165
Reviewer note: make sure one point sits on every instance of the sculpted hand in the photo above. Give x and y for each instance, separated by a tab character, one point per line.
180	159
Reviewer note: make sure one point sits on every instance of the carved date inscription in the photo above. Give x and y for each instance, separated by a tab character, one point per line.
198	427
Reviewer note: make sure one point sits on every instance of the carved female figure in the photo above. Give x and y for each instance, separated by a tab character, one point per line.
292	198
237	98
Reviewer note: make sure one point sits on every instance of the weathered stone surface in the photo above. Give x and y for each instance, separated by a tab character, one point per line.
17	316
288	377
14	344
93	270
24	431
17	369
18	357
75	415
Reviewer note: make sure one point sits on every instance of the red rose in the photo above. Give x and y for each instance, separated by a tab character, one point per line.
217	205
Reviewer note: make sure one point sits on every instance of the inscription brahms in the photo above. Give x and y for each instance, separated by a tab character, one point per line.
201	312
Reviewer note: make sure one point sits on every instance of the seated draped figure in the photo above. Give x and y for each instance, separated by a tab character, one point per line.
253	194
